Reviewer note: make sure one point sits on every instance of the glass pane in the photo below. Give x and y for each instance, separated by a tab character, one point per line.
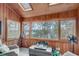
26	29
36	30
13	29
45	30
67	28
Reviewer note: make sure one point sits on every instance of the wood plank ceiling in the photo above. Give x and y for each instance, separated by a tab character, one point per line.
43	8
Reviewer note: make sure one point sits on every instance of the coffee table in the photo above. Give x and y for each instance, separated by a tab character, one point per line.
36	51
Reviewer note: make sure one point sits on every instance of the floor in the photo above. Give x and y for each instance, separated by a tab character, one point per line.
24	52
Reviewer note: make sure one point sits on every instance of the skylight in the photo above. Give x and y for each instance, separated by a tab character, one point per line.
53	3
25	6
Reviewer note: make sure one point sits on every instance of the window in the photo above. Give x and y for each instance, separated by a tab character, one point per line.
13	29
53	3
26	29
25	6
45	29
50	29
67	28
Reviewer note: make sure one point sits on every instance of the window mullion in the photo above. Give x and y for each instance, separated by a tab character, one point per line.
59	30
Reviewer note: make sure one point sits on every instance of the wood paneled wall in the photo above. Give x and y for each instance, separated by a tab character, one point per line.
77	27
7	13
57	16
62	43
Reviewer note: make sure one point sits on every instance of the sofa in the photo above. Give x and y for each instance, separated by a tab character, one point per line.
12	50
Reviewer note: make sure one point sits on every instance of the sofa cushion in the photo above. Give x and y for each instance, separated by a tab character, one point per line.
12	47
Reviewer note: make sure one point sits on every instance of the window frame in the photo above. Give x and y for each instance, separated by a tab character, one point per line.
74	26
16	22
24	36
59	28
47	38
